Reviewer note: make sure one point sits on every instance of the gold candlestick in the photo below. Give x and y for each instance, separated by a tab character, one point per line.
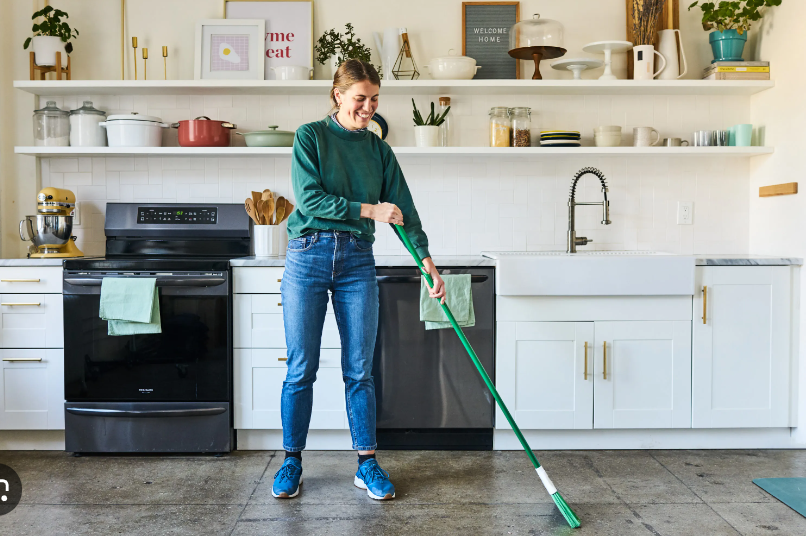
145	63
134	46
165	61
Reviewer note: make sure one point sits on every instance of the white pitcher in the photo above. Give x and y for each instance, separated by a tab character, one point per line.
644	62
388	49
667	46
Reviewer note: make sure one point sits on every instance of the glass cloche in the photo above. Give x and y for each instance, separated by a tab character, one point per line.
536	39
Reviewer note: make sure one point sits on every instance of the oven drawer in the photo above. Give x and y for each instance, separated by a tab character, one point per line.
32	390
258	383
30	279
257	279
31	321
258	323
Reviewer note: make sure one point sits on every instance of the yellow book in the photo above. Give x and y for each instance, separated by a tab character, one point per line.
732	69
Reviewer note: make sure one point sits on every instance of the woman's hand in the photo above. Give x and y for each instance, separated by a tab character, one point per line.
438	291
383	212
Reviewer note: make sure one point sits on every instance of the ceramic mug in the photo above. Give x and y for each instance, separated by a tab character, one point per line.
674	142
743	134
644	62
642	137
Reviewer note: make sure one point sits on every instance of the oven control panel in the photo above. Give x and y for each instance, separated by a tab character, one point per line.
177	215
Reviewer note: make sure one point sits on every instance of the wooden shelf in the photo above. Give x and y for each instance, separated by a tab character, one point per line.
395	87
508	152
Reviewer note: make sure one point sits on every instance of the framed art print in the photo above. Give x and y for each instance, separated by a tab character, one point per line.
229	49
289	30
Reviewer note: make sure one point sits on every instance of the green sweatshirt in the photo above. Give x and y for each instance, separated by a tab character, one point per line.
334	171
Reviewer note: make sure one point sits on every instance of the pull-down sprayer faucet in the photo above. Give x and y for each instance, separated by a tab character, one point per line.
573	240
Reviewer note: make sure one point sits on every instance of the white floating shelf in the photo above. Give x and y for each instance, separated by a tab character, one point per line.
508	152
395	87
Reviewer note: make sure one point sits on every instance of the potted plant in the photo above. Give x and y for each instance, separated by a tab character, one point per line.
52	35
333	48
730	22
426	132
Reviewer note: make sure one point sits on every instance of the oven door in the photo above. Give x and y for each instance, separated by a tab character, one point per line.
189	361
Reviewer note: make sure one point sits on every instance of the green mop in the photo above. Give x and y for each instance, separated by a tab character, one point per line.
569	515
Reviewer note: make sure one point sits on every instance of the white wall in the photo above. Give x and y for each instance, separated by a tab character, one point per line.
777	224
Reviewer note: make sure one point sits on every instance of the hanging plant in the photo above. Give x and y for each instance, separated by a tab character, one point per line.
52	26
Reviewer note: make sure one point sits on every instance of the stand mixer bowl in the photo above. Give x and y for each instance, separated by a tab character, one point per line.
46	231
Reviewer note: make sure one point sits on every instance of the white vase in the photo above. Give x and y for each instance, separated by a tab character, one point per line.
426	136
266	240
667	46
45	49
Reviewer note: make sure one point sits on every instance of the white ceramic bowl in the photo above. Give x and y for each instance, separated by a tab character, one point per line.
607	140
452	67
133	130
607	128
292	72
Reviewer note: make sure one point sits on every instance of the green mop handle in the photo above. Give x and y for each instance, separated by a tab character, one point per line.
405	238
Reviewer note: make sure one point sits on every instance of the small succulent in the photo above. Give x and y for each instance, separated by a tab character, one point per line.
432	120
729	15
52	25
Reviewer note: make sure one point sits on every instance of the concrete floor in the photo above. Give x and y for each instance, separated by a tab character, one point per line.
473	493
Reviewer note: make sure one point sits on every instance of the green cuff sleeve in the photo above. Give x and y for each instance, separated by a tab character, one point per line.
422	251
354	210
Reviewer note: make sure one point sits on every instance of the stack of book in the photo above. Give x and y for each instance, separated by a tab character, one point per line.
737	71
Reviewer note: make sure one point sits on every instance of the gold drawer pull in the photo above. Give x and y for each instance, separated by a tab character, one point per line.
704	302
279	280
282	359
20	304
585	373
279	303
604	369
22	359
21	281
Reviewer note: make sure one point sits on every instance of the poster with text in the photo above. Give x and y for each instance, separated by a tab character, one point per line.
485	37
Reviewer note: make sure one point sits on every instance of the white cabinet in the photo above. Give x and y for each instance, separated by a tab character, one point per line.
32	389
545	374
742	347
258	323
642	372
31	321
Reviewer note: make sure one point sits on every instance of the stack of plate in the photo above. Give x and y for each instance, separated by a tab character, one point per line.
559	138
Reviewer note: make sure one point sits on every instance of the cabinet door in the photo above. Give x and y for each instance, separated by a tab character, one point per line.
642	373
741	360
32	389
258	383
544	373
31	321
258	323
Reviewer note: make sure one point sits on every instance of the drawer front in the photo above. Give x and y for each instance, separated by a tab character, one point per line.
257	279
30	279
31	389
31	321
258	323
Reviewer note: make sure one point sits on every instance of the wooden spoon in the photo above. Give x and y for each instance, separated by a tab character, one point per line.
267	194
249	205
269	204
280	210
255	197
289	207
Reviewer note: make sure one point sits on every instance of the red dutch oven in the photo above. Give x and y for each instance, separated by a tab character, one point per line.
203	132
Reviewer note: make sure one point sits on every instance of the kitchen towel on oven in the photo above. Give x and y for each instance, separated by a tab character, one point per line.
458	297
130	305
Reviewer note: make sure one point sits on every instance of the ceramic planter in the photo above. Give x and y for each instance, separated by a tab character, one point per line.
727	46
45	49
426	136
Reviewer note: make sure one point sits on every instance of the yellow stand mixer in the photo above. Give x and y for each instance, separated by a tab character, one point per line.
50	229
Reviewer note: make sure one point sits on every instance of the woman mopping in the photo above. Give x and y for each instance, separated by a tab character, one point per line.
344	179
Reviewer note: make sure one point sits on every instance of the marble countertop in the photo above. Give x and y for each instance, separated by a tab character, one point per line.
745	260
380	261
25	262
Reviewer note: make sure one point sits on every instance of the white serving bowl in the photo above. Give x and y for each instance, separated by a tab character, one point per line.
292	72
452	67
607	129
607	140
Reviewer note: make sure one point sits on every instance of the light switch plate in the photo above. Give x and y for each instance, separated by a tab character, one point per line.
77	214
685	212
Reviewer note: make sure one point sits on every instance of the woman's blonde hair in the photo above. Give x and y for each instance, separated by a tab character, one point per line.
348	73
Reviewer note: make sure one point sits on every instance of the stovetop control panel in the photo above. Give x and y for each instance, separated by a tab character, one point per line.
192	214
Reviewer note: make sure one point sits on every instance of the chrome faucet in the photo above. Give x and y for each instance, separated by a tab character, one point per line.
573	240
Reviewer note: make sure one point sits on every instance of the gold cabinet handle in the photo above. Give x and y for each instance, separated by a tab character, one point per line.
21	281
585	371
604	354
20	304
22	359
279	303
279	280
704	302
282	359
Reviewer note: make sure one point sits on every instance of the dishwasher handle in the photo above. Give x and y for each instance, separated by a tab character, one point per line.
205	281
177	413
476	278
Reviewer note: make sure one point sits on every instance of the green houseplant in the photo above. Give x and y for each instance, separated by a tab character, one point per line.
334	48
730	22
51	35
426	131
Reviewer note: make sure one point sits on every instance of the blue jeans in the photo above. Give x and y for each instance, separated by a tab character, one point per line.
316	263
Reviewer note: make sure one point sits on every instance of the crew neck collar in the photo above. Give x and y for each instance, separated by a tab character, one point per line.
338	130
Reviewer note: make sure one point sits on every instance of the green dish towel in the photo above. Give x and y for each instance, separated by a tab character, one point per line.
458	297
131	306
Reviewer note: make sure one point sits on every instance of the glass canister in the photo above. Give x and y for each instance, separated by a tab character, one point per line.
51	126
536	32
500	127
521	126
85	129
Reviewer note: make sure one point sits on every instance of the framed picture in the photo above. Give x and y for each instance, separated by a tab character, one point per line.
485	37
229	49
289	30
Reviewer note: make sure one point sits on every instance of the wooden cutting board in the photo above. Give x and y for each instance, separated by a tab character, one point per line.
663	24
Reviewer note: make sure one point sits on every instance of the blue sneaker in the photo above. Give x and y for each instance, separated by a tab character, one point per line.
375	479
287	479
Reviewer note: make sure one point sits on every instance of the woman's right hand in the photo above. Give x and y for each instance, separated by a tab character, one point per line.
383	212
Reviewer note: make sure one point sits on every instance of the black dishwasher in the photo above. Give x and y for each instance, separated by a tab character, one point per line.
429	394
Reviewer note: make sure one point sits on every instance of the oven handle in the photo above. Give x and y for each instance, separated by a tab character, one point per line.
416	279
146	413
161	282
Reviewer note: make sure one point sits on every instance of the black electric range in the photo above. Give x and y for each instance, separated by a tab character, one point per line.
165	392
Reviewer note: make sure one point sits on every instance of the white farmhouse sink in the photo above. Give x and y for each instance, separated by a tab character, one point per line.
593	273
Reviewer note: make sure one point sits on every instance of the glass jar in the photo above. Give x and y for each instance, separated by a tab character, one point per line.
85	128
445	130
521	126
500	127
51	126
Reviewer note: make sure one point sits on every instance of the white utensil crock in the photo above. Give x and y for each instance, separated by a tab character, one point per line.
667	46
267	240
644	62
426	136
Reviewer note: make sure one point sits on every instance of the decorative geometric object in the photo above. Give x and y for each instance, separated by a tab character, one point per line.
405	68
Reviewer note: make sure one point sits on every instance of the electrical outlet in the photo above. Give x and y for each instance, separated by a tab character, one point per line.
77	214
685	212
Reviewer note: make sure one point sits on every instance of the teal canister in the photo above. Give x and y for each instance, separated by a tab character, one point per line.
727	46
743	134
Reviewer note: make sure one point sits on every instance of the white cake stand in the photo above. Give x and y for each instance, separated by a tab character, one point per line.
576	65
608	47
